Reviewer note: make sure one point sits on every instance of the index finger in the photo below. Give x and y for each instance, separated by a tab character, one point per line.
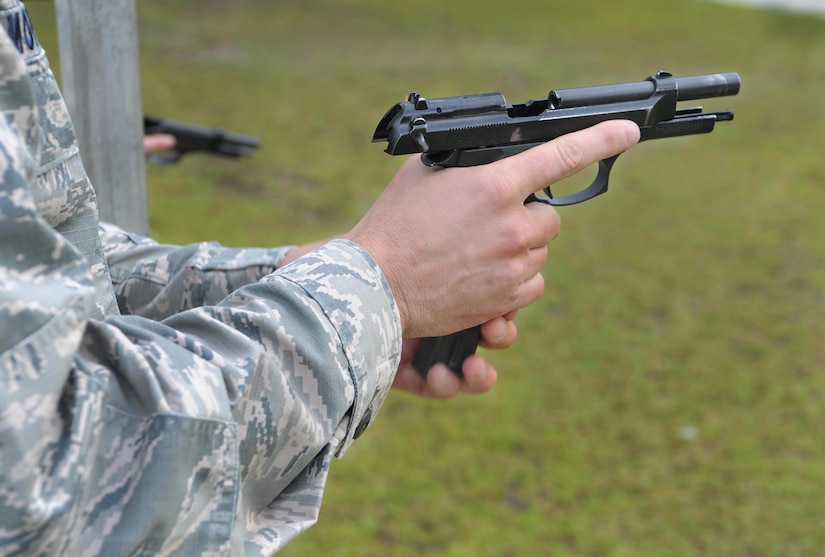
550	162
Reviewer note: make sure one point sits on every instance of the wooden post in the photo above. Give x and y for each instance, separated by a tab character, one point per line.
100	71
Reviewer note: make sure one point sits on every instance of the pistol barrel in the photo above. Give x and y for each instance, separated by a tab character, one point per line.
688	88
705	86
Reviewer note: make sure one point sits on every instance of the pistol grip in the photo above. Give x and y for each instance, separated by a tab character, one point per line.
450	349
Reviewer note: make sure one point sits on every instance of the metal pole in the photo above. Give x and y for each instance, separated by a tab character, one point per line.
100	71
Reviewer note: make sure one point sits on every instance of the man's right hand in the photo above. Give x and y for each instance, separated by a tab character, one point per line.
459	246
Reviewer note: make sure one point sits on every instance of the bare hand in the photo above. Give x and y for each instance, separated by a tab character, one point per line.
459	246
158	142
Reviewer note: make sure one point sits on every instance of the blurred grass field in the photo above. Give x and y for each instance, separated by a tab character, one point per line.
665	396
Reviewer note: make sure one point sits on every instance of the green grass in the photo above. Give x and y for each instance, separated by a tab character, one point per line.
665	396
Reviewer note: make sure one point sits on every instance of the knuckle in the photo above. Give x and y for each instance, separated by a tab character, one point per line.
520	236
570	156
501	186
512	272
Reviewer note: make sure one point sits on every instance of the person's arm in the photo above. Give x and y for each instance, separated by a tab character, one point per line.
158	280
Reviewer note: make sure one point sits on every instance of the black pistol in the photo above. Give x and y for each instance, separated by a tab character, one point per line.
190	138
478	129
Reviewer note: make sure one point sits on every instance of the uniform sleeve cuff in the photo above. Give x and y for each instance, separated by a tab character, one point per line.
350	287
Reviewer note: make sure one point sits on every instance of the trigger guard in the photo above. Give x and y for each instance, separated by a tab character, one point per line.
598	187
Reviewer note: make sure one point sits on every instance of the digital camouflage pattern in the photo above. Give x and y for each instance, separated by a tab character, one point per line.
162	400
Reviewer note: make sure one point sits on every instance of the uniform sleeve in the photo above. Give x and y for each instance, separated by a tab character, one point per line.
158	280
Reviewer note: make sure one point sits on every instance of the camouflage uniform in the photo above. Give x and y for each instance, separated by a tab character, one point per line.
161	400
